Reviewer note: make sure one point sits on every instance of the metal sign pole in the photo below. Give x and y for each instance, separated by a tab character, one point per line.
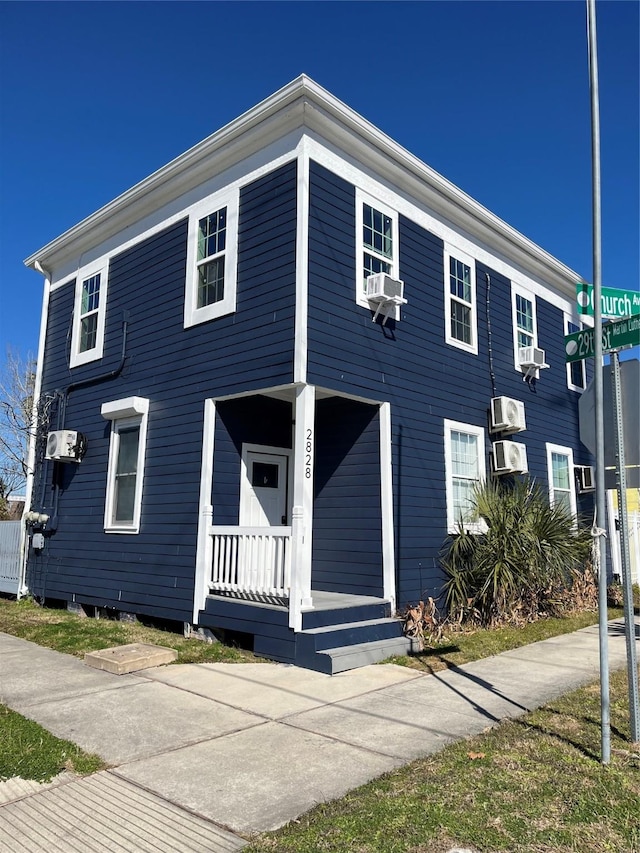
621	483
599	523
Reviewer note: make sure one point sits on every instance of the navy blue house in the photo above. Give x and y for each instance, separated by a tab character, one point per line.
270	374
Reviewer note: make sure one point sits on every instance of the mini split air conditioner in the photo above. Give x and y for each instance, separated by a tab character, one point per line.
509	457
65	445
382	288
585	478
531	357
507	415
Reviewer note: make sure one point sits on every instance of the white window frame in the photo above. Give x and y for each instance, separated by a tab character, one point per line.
77	358
519	290
363	198
449	298
125	413
571	491
582	363
193	315
478	526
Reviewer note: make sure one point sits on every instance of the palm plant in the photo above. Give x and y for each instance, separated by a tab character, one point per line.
513	571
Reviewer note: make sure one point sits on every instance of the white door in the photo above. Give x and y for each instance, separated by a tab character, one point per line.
263	490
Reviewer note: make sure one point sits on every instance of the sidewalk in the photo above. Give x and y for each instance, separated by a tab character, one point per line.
204	755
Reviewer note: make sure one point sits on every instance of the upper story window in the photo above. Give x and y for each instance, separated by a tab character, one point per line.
576	370
562	490
376	242
123	500
460	301
212	255
465	468
525	333
87	340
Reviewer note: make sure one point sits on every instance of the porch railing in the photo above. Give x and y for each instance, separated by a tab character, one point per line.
251	561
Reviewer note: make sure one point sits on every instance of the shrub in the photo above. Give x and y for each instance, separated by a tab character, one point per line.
531	554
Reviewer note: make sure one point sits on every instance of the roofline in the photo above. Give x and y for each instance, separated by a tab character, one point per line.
329	113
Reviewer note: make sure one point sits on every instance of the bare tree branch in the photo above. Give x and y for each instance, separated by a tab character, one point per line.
17	382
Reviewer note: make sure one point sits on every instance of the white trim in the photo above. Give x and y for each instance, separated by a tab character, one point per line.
77	358
561	451
300	351
451	251
386	495
138	419
193	315
479	432
302	512
519	290
204	547
363	198
582	363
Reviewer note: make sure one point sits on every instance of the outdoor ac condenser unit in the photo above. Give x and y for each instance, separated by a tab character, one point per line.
509	457
507	415
64	445
382	288
531	357
585	478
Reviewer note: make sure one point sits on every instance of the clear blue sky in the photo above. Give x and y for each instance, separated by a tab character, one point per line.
493	95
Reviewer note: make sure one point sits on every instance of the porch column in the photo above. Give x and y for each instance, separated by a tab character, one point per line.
302	520
386	490
204	546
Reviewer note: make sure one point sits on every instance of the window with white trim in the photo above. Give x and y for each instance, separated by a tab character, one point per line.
562	488
87	339
465	468
525	334
376	242
576	370
212	258
460	300
123	502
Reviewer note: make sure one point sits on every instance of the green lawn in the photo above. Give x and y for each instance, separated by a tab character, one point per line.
529	786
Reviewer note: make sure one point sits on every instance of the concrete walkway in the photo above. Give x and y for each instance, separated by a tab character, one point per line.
203	755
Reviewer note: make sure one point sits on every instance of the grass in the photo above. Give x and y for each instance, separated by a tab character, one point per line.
67	632
31	752
459	647
534	785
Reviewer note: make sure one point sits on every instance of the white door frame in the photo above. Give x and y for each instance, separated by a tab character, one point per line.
245	482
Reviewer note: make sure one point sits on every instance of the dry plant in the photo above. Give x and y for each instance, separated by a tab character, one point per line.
422	623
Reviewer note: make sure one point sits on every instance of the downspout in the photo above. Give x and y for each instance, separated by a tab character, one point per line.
31	450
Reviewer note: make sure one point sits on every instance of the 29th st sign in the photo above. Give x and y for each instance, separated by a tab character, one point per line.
618	335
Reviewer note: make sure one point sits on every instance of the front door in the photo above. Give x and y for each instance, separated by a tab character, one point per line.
264	488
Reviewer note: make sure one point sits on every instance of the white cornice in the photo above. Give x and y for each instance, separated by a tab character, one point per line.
303	103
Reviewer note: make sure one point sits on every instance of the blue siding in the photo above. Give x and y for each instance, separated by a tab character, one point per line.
347	532
176	369
425	380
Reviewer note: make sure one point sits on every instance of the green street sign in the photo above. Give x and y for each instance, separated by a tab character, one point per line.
613	302
618	335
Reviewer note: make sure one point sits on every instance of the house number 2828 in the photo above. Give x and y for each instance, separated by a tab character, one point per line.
308	450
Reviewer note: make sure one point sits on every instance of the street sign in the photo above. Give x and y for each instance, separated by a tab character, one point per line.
618	335
614	302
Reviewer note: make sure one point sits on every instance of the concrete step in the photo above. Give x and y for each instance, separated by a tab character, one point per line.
342	658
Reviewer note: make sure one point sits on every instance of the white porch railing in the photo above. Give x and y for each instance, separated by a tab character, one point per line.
251	561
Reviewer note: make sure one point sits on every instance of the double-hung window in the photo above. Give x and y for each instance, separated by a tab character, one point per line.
525	333
460	300
376	242
123	501
87	340
576	370
562	490
465	468
212	254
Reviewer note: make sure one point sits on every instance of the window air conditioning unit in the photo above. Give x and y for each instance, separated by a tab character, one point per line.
382	288
65	445
509	457
585	478
507	415
531	357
